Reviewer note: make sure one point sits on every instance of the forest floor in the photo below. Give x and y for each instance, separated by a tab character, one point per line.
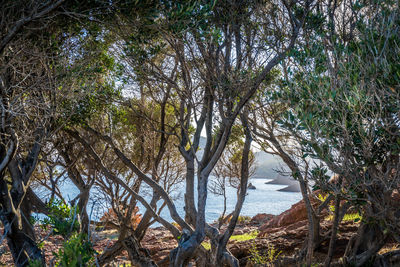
255	240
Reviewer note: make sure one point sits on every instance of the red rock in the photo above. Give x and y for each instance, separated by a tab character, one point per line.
261	218
295	214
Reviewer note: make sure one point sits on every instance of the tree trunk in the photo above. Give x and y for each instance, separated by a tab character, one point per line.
220	254
141	229
335	226
391	258
127	241
136	254
82	204
84	188
187	246
16	211
365	245
190	211
222	219
313	237
23	248
313	218
20	236
109	254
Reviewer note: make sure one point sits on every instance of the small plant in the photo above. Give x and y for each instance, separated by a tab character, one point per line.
206	245
243	219
355	217
271	255
63	218
255	256
322	197
244	237
76	252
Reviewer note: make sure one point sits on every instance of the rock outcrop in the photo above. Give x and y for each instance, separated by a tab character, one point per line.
251	186
297	213
287	240
291	188
261	218
282	180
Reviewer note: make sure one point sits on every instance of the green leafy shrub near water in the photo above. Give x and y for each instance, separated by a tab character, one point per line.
35	263
63	218
77	251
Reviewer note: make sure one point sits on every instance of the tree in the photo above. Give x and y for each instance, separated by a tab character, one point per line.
138	130
344	109
199	62
14	19
267	111
208	54
28	110
227	171
35	85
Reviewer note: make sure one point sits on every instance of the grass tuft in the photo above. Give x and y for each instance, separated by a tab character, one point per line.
355	217
244	237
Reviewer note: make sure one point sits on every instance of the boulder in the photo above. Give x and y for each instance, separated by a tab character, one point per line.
261	218
251	186
293	215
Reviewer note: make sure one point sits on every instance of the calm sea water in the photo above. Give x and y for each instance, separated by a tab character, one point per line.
264	199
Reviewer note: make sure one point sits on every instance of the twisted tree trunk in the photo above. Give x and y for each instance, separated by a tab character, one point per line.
365	244
18	230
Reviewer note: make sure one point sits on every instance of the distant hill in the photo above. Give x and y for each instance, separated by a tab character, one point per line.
266	165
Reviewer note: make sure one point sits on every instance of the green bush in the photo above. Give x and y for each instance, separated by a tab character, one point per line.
63	218
77	251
